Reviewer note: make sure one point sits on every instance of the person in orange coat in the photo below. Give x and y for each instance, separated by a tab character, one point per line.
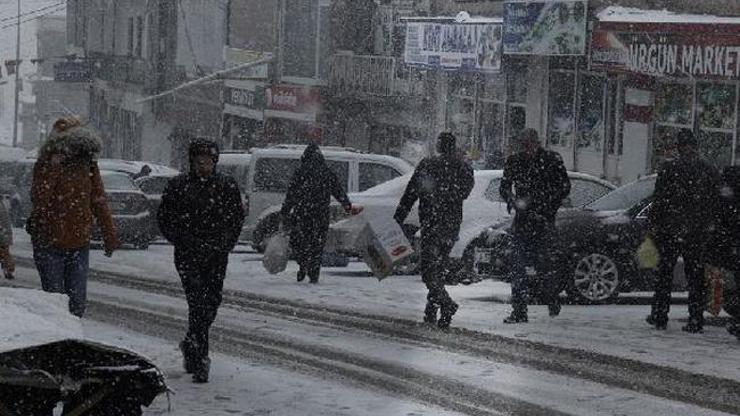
67	193
6	239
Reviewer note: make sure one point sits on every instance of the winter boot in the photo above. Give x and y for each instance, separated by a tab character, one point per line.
201	370
301	276
187	356
734	329
694	326
554	309
445	315
516	318
659	322
430	314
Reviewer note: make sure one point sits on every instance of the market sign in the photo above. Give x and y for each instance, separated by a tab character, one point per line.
674	54
473	45
72	72
550	28
293	102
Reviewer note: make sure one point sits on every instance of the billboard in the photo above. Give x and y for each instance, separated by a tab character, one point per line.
549	28
454	46
667	53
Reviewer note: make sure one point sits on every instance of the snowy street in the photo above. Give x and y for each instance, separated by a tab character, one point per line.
352	333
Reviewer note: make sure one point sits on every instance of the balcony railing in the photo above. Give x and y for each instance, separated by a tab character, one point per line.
369	75
123	69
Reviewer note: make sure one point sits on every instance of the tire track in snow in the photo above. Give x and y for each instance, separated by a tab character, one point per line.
670	383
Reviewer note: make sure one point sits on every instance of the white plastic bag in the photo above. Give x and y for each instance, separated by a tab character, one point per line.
277	253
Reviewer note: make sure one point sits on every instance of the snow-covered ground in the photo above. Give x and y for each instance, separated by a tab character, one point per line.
617	330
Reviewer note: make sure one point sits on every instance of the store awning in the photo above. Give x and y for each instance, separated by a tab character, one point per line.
621	16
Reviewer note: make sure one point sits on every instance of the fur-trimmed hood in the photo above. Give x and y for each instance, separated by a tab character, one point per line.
75	143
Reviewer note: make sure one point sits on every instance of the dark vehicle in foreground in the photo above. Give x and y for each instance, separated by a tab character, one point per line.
595	247
131	211
47	361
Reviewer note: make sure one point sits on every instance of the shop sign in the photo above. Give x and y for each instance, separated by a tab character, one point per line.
550	28
293	102
667	54
470	46
244	97
72	72
234	57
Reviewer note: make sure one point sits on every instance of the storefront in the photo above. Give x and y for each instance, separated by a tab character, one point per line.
244	106
676	72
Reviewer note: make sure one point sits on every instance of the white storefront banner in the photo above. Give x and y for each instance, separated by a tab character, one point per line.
473	45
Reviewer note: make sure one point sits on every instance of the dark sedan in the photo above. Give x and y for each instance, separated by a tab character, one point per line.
130	208
153	186
596	245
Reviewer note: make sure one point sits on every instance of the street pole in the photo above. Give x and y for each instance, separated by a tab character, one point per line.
17	76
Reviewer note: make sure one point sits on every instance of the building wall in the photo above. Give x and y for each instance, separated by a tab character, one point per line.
253	25
201	35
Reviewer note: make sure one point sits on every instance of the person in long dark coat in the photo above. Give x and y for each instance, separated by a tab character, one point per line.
305	212
686	206
201	215
729	240
441	184
535	183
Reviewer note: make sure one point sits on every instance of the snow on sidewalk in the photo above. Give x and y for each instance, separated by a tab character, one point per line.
617	330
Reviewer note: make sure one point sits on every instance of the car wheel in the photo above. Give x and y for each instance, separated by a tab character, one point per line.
594	279
264	230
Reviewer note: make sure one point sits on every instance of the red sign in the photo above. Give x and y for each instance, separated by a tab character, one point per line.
667	50
293	99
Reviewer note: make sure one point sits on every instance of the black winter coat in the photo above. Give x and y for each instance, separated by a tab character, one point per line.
441	184
536	187
310	191
686	200
202	216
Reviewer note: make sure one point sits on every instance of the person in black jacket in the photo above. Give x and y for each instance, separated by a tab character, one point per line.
684	211
441	184
305	212
729	241
201	214
535	183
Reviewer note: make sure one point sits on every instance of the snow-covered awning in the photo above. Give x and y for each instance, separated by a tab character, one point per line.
462	18
619	14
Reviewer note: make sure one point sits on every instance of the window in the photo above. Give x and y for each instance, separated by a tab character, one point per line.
307	41
674	103
625	197
591	113
154	186
561	122
372	174
139	37
273	175
118	181
583	191
130	36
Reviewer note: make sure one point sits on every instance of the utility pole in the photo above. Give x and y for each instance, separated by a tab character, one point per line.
17	75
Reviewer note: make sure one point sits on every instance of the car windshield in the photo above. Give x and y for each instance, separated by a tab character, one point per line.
393	187
625	197
118	182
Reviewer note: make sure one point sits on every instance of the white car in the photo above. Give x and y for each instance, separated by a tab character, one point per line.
483	208
270	171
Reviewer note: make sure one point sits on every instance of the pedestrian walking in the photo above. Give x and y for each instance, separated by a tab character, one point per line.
729	241
441	184
201	214
305	212
6	240
534	185
684	212
67	193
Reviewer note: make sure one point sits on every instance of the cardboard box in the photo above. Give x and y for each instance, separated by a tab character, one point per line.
382	244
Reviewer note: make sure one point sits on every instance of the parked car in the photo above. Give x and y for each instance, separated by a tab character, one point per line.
15	184
597	246
236	164
133	167
483	208
153	186
271	168
131	212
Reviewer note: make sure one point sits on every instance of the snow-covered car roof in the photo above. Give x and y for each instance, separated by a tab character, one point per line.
331	152
132	167
45	318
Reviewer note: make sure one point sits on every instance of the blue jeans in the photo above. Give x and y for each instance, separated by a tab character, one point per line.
64	271
534	257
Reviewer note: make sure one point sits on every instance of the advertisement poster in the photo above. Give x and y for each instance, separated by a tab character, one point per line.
548	28
454	46
677	54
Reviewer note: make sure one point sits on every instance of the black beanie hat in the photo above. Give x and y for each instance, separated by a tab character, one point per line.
201	146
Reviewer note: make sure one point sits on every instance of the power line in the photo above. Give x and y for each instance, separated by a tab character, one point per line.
10	25
5	19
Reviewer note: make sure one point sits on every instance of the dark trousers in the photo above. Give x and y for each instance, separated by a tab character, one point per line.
64	271
307	243
435	253
203	282
692	250
534	257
